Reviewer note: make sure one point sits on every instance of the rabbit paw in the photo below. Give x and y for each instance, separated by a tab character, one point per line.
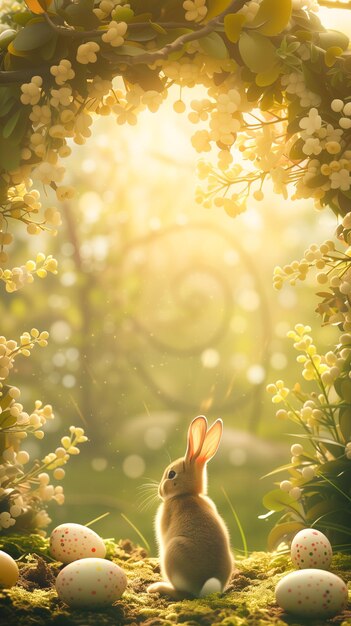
166	589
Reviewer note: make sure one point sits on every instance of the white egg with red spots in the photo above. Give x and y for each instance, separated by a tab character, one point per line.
8	570
311	593
90	583
310	548
70	542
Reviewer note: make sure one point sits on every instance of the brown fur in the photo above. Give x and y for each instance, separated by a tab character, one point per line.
192	537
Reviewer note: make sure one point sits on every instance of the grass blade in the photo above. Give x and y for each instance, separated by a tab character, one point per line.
97	519
241	530
138	532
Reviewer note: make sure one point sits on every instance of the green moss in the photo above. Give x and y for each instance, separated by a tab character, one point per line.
248	601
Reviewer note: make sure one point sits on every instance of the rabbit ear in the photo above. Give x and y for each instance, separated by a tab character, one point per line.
196	437
211	443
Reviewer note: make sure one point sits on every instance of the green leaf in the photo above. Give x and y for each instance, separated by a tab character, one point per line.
81	14
268	77
21	126
5	399
257	52
6	37
277	470
316	181
10	124
146	78
214	46
122	14
33	36
318	510
48	50
6	106
216	7
283	532
144	34
254	93
233	23
332	38
158	28
272	17
332	54
345	423
22	17
131	51
278	500
267	100
296	153
338	527
10	154
345	390
7	420
315	438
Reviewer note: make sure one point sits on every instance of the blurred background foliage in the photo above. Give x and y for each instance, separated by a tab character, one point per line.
162	311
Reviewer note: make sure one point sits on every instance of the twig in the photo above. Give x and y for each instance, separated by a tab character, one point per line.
177	44
21	76
64	31
18	76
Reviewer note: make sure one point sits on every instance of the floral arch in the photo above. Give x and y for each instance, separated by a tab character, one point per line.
278	94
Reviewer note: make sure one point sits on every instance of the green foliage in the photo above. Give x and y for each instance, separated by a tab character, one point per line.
257	52
318	490
254	54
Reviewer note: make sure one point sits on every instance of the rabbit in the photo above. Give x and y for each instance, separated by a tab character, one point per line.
193	540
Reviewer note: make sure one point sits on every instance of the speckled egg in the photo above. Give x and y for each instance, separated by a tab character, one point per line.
90	583
311	593
8	571
70	542
310	548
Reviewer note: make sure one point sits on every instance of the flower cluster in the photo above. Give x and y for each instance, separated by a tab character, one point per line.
19	276
323	416
25	488
261	98
62	72
333	272
10	349
195	10
31	91
115	34
87	52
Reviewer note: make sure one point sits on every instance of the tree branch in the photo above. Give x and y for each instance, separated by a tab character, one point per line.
82	34
20	76
150	57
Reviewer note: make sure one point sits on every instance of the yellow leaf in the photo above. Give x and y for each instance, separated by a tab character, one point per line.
16	53
332	54
216	7
38	6
233	23
268	77
272	17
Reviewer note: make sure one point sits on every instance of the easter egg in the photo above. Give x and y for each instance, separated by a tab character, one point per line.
90	583
8	570
310	548
69	542
311	593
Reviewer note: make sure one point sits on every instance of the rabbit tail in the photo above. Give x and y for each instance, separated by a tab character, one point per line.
212	585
